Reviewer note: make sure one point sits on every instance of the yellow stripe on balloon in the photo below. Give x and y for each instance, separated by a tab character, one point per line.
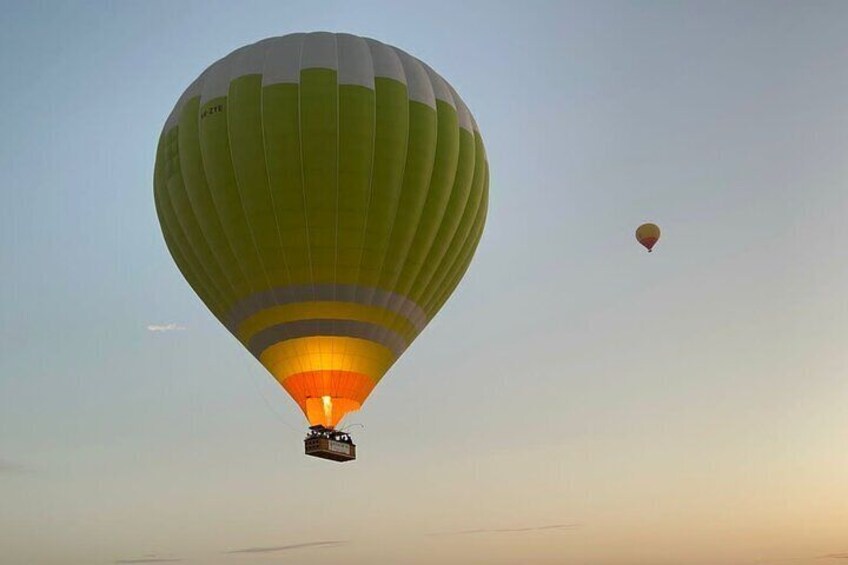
323	353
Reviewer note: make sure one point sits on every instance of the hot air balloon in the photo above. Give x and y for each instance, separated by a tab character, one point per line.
648	235
323	194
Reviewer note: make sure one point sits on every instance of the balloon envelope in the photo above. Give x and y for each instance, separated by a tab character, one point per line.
323	194
648	235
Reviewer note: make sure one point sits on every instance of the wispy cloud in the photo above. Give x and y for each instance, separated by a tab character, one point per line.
12	468
333	543
150	559
165	327
509	530
834	556
768	561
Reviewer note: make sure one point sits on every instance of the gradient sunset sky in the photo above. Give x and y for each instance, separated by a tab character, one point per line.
577	401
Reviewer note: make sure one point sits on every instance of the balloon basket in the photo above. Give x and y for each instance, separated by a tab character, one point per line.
330	444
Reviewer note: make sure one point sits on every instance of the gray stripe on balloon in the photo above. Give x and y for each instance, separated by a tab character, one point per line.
366	296
325	327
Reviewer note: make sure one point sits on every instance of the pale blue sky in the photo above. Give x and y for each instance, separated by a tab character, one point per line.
682	407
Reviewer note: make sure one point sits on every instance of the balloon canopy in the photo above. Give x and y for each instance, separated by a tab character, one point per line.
648	235
323	194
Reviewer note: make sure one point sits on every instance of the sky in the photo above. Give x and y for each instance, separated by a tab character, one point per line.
576	401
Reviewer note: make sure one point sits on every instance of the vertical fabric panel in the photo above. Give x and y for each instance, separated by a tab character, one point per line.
319	130
469	215
445	164
281	126
461	265
356	157
244	125
420	153
452	216
165	177
185	221
218	164
391	138
200	197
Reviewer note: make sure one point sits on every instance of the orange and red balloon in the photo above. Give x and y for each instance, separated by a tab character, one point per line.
648	235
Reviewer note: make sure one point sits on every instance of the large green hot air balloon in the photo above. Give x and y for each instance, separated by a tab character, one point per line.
323	194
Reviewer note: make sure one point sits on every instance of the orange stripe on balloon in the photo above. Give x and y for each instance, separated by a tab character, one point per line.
346	391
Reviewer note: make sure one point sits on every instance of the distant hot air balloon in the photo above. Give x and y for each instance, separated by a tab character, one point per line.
648	235
323	194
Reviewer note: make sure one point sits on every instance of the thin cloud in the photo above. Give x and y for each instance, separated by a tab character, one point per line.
165	328
12	468
334	543
765	561
509	530
148	560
